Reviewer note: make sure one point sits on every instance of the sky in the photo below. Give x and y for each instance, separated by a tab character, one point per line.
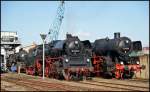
87	19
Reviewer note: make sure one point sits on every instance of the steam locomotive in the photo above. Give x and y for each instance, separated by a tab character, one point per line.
74	59
111	57
64	59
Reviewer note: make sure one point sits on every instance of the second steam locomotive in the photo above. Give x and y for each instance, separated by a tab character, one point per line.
111	57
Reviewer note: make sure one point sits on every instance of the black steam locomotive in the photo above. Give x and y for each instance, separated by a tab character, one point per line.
74	59
111	56
68	59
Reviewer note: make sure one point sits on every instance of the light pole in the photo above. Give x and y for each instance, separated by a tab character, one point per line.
43	36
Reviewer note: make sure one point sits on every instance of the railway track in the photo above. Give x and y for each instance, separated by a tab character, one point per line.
138	80
36	85
42	85
20	84
56	85
116	86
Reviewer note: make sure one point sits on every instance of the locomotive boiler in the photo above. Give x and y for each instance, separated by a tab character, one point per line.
118	47
68	59
111	56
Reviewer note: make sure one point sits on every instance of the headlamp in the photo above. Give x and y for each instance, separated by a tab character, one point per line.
88	60
121	62
66	60
138	62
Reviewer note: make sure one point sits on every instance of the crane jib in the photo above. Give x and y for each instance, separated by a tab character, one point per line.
55	27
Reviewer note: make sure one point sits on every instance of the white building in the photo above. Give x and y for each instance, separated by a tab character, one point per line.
3	58
10	44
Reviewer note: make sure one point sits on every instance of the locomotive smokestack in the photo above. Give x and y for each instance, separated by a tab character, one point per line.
117	35
68	35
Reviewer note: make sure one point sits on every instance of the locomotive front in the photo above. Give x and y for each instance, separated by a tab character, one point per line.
114	56
119	46
76	58
75	53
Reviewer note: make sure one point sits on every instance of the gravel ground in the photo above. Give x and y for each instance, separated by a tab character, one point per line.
127	82
7	86
14	87
72	86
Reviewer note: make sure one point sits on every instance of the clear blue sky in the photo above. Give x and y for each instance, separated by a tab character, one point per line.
87	19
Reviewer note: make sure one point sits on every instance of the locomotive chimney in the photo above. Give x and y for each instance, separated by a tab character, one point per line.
68	35
117	35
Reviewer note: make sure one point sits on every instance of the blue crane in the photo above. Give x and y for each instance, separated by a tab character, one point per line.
55	27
